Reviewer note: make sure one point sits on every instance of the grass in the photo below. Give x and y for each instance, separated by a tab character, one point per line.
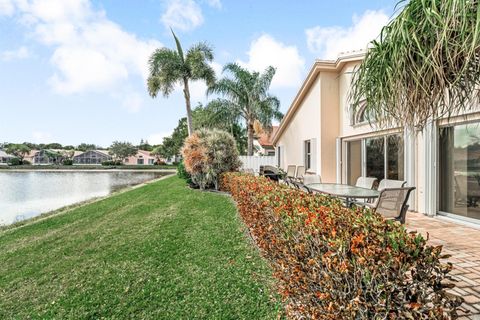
162	251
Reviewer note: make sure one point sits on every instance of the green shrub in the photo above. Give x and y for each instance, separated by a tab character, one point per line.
112	163
26	162
209	153
333	262
182	173
14	162
67	162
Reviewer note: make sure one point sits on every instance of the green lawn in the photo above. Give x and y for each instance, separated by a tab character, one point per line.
162	251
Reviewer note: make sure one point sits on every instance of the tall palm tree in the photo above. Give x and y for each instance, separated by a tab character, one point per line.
245	95
424	65
171	67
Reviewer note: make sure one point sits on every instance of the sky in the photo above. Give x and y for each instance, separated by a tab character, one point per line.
74	71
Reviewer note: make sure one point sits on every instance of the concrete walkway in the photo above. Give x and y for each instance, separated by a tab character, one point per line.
463	243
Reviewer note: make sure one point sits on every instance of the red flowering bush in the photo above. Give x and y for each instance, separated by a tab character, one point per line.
332	262
209	153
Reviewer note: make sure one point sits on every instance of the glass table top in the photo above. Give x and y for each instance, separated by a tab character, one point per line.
344	190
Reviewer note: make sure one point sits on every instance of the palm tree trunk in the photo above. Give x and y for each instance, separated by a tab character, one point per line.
250	137
186	93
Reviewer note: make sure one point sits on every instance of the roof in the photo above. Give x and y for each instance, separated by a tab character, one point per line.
3	154
317	67
265	139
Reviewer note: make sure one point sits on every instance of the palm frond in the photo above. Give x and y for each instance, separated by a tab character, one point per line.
165	71
425	64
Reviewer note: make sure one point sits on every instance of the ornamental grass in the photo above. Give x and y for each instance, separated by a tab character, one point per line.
332	262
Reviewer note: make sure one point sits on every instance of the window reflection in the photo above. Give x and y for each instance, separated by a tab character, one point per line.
459	172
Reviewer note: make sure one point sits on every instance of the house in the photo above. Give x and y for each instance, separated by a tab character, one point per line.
142	157
263	144
5	157
46	156
319	131
91	157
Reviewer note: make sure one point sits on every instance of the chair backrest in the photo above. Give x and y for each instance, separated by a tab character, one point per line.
366	182
291	169
311	178
388	183
300	172
392	203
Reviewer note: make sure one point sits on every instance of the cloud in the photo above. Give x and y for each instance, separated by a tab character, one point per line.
329	42
198	89
6	8
214	3
184	15
90	52
266	51
42	137
17	54
157	138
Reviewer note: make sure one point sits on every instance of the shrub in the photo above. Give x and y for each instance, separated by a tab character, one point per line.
183	174
26	162
209	153
333	262
14	162
112	163
67	162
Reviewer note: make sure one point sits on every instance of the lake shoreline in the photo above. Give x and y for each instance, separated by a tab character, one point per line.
68	208
89	170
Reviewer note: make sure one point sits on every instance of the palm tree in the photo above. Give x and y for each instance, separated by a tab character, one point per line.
245	95
424	65
170	67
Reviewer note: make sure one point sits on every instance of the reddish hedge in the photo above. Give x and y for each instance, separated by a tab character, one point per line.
332	262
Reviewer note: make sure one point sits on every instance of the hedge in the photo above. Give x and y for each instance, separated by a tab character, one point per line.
333	262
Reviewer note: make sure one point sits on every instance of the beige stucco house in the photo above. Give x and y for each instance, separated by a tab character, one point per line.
442	161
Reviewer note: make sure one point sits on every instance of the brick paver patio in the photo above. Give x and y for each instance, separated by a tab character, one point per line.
463	243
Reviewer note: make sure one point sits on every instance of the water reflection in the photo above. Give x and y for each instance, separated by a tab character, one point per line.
27	194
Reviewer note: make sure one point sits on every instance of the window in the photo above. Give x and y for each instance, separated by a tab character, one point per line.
459	171
279	153
308	154
358	117
380	157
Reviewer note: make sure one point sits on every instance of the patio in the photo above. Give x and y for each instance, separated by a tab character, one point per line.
463	243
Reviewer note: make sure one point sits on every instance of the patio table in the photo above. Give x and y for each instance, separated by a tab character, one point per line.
349	193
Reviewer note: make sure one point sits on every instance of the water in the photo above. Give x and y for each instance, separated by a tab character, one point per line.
27	194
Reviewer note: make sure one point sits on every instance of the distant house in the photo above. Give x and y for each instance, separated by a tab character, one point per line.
5	157
263	144
45	156
141	158
91	157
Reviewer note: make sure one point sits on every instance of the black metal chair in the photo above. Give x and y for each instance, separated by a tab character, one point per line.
392	203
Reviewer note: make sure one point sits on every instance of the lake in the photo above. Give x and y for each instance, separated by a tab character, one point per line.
26	194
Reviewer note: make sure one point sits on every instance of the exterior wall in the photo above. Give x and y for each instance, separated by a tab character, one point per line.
329	126
145	155
303	126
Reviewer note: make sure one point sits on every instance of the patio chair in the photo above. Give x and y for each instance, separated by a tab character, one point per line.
392	203
291	169
389	183
300	173
311	178
366	182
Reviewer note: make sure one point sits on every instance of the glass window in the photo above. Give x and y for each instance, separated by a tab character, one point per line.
375	157
354	161
308	155
459	170
395	157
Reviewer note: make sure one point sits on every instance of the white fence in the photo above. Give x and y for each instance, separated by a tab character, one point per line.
254	162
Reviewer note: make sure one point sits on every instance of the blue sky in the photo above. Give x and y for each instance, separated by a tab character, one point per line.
74	71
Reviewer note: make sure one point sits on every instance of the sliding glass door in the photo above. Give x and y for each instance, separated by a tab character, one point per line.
380	157
459	170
